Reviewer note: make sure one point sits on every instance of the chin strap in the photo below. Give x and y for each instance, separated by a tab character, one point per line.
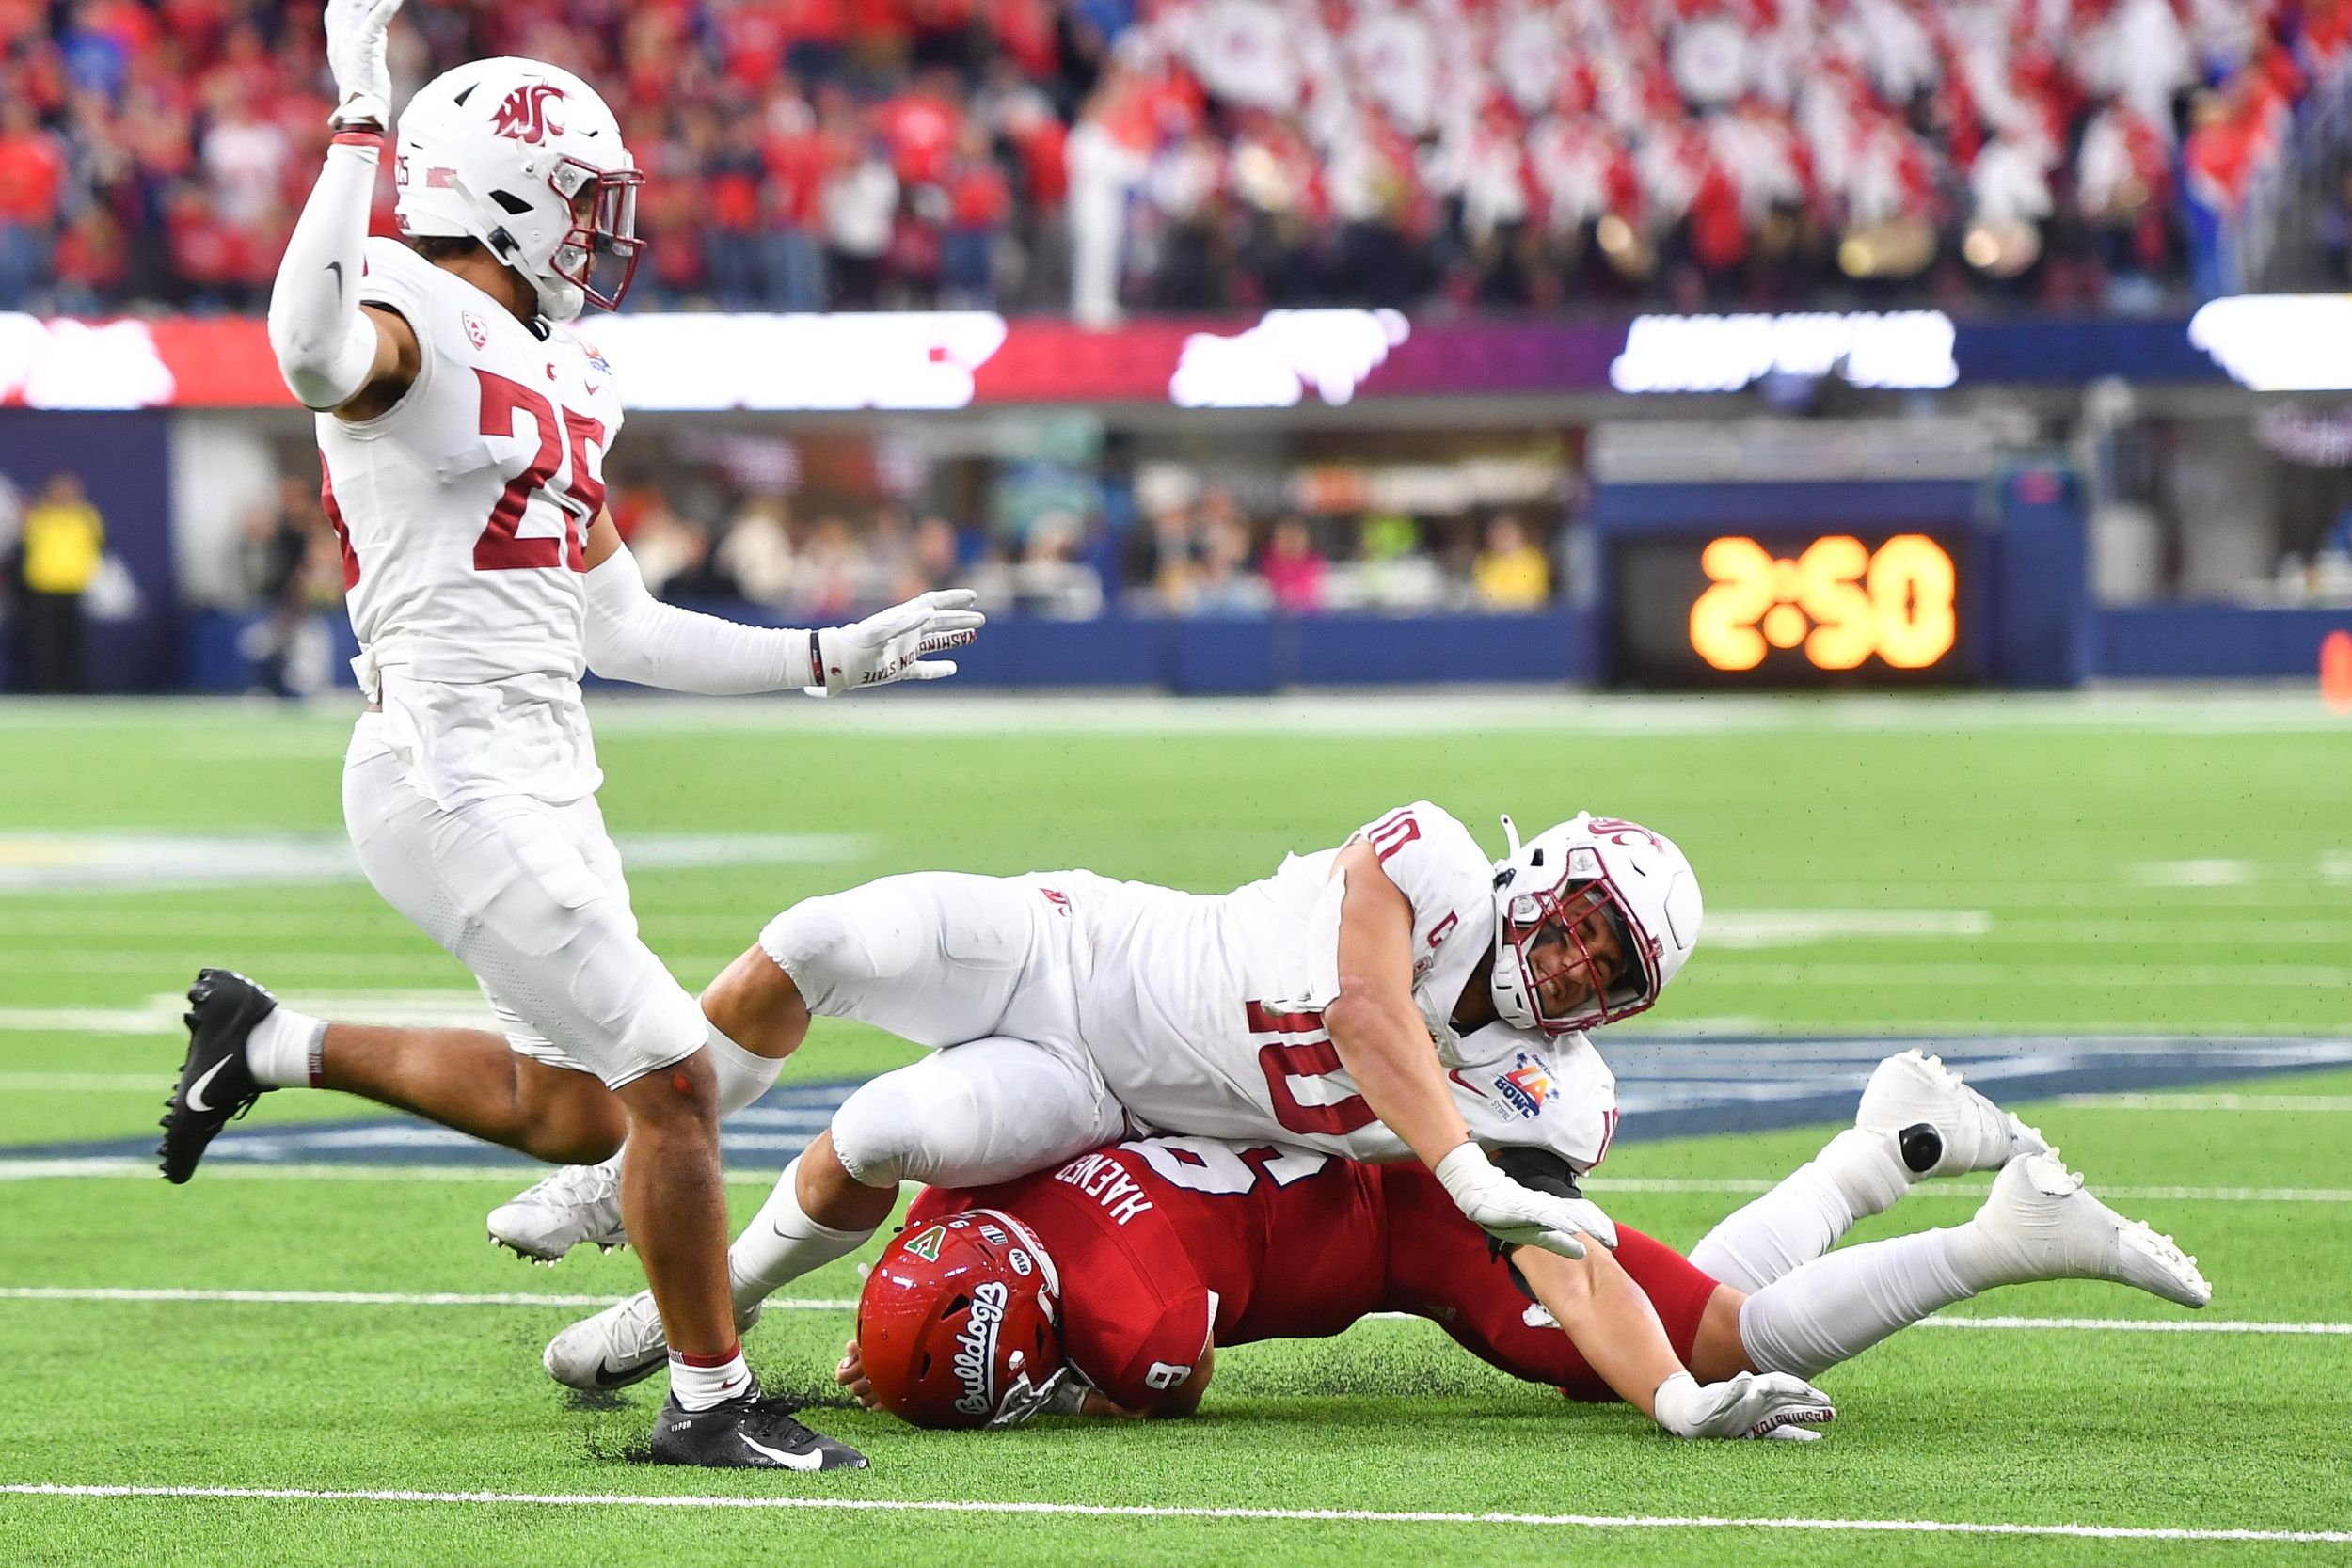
1510	837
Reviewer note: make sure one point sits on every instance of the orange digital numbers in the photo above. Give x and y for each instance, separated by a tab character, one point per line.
1839	602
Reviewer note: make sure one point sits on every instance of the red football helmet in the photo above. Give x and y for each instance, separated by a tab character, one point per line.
959	1319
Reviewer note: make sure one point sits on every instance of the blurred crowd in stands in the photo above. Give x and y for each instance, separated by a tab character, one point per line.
1205	556
1099	155
759	556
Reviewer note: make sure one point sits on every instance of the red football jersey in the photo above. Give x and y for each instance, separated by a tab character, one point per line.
1167	1245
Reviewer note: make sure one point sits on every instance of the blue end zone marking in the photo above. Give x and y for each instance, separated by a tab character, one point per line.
1668	1088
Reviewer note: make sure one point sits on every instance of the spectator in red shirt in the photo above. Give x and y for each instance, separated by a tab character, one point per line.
93	263
978	201
32	169
1293	568
732	181
922	126
799	156
205	257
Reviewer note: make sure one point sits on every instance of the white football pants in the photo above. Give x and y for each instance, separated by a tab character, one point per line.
986	970
530	897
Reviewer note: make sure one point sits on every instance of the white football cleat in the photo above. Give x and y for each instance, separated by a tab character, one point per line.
2040	1223
1908	1090
579	1203
621	1345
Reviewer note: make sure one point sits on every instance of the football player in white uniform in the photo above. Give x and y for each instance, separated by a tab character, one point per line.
463	423
1403	996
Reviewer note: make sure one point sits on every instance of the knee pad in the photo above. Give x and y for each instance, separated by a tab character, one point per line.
904	1126
839	942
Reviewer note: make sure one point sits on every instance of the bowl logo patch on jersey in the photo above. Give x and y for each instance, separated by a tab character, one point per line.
974	1361
1526	1086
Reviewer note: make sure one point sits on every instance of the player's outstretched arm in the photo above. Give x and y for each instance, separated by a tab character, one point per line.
634	637
1384	1043
1617	1332
330	349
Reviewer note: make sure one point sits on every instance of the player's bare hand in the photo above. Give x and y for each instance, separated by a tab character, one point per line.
850	1374
1521	1215
1753	1404
894	645
355	45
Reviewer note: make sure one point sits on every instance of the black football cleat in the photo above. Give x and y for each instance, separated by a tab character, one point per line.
216	1083
746	1434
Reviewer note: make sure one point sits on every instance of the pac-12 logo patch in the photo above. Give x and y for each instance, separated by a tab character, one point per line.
1526	1086
477	330
524	114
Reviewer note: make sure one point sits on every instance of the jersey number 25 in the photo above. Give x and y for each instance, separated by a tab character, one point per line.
579	494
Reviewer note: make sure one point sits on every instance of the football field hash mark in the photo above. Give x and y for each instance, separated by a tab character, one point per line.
1146	1511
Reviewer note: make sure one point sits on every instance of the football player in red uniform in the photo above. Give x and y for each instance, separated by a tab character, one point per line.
1103	1287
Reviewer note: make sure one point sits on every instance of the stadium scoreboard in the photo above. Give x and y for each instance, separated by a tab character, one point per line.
1792	606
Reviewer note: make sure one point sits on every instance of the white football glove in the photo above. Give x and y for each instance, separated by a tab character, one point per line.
1750	1406
356	31
890	646
1520	1215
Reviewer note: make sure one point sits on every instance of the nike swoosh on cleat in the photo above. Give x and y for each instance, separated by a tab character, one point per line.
813	1460
195	1099
607	1377
337	268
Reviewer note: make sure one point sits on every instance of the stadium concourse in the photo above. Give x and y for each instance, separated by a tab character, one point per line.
1093	154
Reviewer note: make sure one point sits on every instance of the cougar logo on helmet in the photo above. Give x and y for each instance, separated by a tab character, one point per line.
1616	830
524	114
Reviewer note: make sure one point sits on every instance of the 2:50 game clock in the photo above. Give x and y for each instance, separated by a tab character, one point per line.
1784	607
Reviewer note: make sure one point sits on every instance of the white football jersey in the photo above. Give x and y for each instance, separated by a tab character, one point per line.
1204	1013
463	509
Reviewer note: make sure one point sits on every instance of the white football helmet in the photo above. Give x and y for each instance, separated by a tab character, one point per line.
1548	887
525	158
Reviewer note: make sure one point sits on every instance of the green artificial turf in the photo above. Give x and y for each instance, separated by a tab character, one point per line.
2183	868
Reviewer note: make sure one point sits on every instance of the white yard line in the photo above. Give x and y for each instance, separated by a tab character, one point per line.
2135	1325
1146	1511
2315	1102
819	1304
85	1083
1737	1186
124	1167
364	1298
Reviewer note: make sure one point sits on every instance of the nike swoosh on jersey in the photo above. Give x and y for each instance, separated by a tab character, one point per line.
195	1090
337	268
813	1460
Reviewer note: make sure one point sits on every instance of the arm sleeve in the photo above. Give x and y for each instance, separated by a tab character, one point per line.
633	635
325	346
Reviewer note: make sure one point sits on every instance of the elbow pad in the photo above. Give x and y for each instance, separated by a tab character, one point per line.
327	375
